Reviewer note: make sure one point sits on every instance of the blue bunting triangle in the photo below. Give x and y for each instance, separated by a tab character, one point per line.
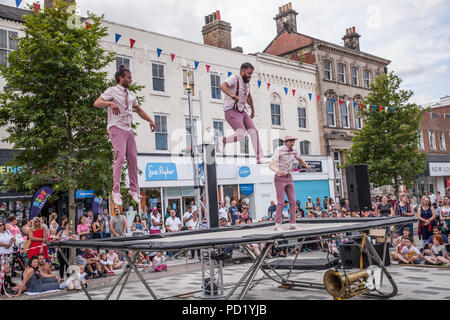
229	73
259	83
118	37
159	51
286	90
196	64
18	2
374	108
310	96
333	100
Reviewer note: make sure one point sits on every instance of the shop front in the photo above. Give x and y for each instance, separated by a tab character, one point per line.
436	177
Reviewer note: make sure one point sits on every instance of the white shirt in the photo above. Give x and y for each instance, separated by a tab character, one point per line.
244	90
5	238
187	215
194	225
223	213
156	219
173	224
411	252
432	198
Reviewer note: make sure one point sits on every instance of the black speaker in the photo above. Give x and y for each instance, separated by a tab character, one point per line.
358	187
351	256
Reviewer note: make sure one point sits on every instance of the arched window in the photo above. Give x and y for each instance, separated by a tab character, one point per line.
358	120
344	111
275	110
305	147
277	143
302	116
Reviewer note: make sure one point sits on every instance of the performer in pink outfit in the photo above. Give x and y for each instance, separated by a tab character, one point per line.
282	161
237	96
120	103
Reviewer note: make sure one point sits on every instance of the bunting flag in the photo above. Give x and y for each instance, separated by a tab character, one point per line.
159	51
293	92
361	106
207	68
426	115
340	102
368	106
88	25
268	86
354	105
374	108
36	7
381	108
325	100
310	96
333	100
393	109
172	56
18	2
196	63
386	109
259	81
118	37
230	73
286	90
318	99
132	42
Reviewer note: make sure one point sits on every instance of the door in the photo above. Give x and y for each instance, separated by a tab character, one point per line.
175	204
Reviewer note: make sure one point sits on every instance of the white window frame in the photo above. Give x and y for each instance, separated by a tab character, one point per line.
158	77
330	101
421	141
343	73
275	115
330	70
8	39
342	115
245	146
367	80
353	77
194	134
432	139
358	120
162	133
123	57
276	143
337	162
442	145
215	74
302	148
217	137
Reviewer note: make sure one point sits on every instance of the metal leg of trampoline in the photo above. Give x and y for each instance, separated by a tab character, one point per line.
123	274
295	259
61	252
123	284
140	276
245	275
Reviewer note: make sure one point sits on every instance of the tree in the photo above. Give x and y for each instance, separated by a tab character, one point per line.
56	75
388	142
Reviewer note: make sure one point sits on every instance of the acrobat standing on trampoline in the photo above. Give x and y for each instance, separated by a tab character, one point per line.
282	161
120	103
237	96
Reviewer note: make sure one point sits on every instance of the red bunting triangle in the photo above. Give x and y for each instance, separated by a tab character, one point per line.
268	86
426	115
88	25
132	42
207	68
340	102
361	106
36	7
318	99
293	92
172	56
381	109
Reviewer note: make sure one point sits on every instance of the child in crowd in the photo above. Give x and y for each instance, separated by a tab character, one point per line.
8	285
157	262
399	243
409	253
438	252
114	257
106	264
333	249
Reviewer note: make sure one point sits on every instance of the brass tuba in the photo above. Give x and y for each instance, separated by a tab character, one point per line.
345	287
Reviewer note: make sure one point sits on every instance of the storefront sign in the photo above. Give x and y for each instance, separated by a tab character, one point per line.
9	169
247	189
84	194
244	172
316	167
39	200
439	169
161	172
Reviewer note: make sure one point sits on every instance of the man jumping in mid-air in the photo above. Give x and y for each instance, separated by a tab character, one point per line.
120	103
237	96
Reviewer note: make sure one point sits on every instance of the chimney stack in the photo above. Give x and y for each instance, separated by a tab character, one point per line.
286	19
351	39
216	32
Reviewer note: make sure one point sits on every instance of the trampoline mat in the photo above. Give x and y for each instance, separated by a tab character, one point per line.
302	264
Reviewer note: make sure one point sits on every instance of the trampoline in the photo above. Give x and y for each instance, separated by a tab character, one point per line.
210	240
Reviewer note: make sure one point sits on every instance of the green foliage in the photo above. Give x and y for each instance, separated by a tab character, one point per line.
388	142
56	74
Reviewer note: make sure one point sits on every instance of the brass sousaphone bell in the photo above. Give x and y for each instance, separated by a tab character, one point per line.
345	287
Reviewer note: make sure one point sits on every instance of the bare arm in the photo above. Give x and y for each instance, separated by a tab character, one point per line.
303	163
26	276
145	116
273	168
250	103
102	104
226	89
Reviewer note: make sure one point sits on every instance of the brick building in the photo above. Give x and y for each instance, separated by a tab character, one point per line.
435	142
344	75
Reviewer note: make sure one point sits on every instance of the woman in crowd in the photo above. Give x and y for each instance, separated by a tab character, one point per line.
137	224
97	227
38	238
438	252
53	219
114	257
83	227
427	218
36	282
244	213
385	209
6	243
194	224
63	235
403	208
155	221
444	215
12	227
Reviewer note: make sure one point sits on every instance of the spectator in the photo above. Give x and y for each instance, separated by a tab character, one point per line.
158	259
83	227
106	264
347	205
106	219
272	209
427	218
187	216
35	282
399	243
173	224
432	198
45	268
92	263
63	235
244	214
137	224
447	191
285	212
222	211
409	253
53	220
114	257
385	209
38	237
44	223
118	224
62	226
318	205
438	198
444	215
438	252
325	203
9	287
11	226
324	214
97	227
334	214
403	208
233	213
89	219
193	206
156	221
237	222
6	243
299	213
429	242
391	199
223	222
309	206
332	204
194	224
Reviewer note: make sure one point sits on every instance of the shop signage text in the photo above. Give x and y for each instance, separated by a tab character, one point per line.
244	172
161	172
439	169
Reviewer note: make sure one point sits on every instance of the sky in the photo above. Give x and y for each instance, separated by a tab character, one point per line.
413	34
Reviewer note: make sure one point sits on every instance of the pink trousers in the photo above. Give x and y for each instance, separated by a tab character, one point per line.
285	185
124	146
243	126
